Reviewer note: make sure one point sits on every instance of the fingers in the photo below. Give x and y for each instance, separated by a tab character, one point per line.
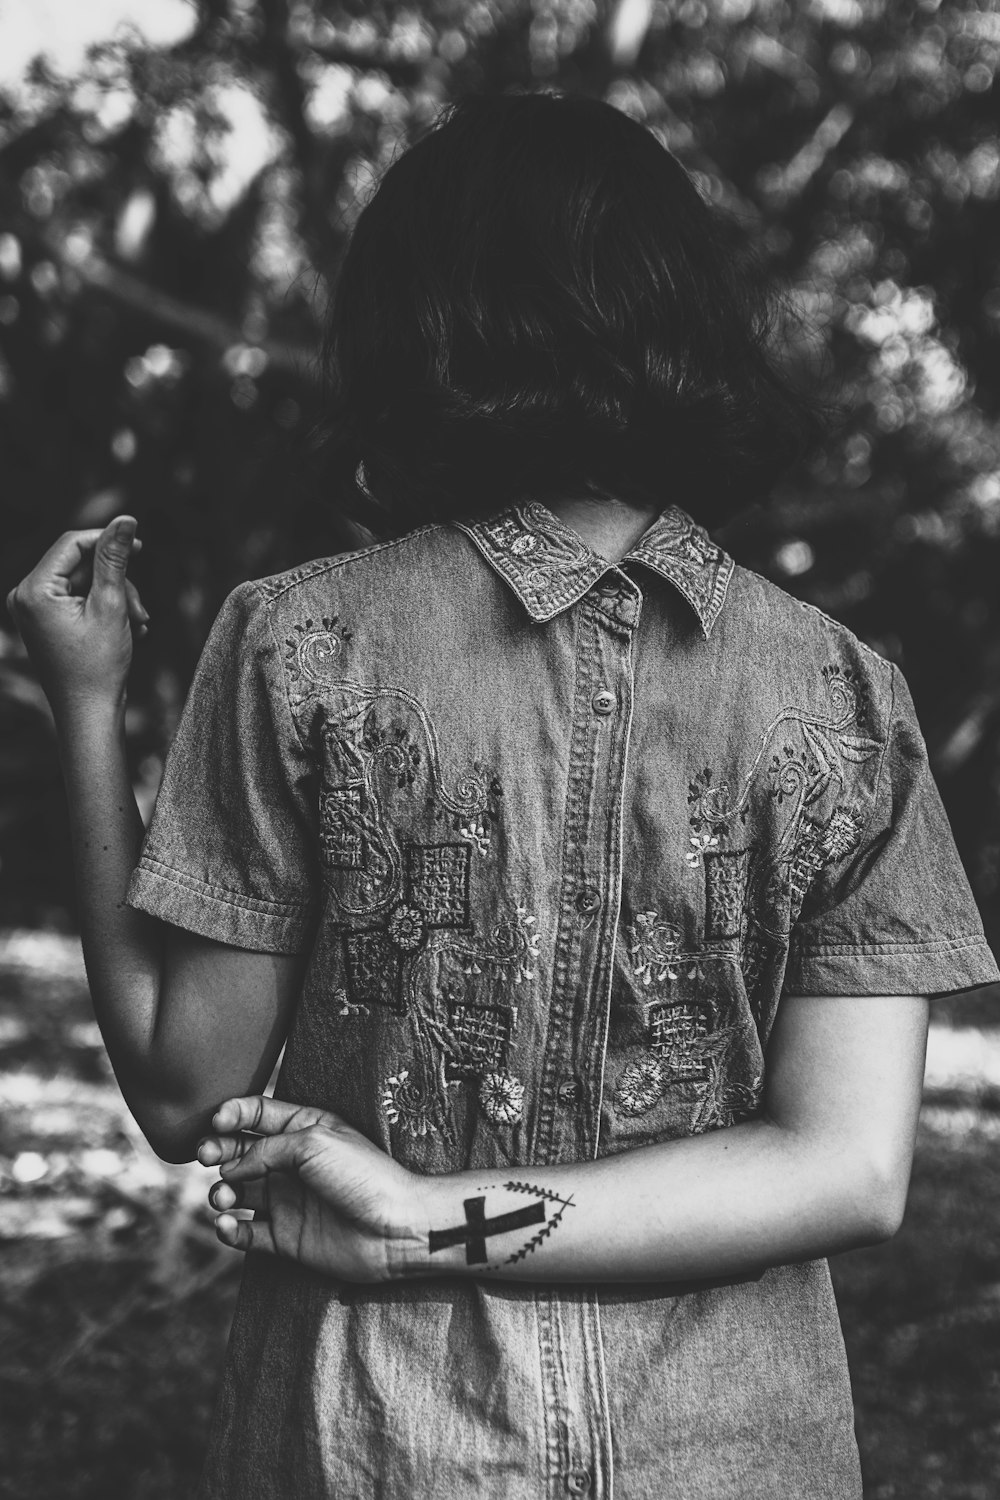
54	572
214	1150
137	613
266	1116
271	1153
245	1234
226	1195
80	576
67	553
111	557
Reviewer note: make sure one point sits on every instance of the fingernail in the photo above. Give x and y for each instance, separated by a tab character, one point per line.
125	530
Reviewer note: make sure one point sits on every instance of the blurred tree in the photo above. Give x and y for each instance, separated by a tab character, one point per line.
171	219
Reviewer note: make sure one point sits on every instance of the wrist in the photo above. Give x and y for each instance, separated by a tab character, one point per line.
408	1254
92	714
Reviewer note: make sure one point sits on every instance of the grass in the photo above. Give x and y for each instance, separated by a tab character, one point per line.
115	1297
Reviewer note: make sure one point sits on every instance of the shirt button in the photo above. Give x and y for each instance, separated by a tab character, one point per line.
604	702
578	1481
570	1091
588	901
608	588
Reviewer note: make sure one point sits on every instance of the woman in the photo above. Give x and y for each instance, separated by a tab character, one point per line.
594	882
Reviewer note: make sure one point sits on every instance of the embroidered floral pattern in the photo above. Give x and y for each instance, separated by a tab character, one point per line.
313	651
640	1086
479	825
379	743
808	764
511	951
727	1104
406	928
345	1007
502	1098
685	553
407	1104
653	948
436	895
701	844
391	747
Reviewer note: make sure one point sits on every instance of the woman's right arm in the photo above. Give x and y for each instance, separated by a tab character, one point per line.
187	1021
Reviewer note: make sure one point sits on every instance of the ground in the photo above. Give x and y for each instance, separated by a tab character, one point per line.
115	1296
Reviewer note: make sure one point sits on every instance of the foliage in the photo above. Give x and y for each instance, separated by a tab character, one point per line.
172	219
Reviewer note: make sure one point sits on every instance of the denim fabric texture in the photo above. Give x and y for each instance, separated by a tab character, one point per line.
556	836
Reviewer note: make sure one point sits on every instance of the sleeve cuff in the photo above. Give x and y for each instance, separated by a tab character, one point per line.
920	969
226	916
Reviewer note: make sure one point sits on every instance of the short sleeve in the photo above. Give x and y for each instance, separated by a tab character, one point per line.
230	852
898	917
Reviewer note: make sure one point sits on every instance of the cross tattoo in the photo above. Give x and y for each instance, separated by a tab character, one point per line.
478	1228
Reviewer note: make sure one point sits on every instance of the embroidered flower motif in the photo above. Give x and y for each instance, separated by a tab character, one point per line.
502	1098
406	1104
347	1007
653	948
405	927
511	952
479	795
711	806
699	843
639	1087
841	835
312	651
474	830
392	747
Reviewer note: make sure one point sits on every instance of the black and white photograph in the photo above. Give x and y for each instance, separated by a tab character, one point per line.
499	749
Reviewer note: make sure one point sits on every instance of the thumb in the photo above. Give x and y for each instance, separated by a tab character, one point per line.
111	557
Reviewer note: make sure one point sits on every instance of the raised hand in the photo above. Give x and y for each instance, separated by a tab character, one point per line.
321	1192
78	612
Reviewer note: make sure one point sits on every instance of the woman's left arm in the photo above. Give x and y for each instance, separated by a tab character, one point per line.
825	1168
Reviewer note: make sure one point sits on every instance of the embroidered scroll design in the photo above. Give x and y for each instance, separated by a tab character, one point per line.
376	743
311	651
805	762
656	954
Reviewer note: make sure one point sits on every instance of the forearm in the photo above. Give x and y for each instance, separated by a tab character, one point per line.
121	947
727	1203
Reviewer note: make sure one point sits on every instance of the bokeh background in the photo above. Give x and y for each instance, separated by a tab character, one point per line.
178	179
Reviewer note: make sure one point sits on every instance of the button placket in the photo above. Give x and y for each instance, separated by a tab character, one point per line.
567	1121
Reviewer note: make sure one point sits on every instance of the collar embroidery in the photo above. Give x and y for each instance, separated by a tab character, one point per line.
549	567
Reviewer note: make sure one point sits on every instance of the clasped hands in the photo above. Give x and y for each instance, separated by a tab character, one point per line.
321	1192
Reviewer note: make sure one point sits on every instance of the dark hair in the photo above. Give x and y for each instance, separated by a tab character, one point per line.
537	301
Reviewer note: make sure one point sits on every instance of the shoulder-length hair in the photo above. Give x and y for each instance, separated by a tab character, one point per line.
538	302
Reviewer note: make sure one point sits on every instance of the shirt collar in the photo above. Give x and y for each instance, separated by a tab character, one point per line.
549	567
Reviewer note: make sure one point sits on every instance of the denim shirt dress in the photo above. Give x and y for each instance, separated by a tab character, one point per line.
556	836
